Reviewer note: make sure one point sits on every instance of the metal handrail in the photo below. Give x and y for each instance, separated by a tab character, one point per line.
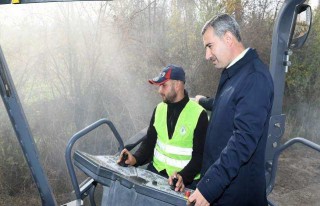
75	138
283	147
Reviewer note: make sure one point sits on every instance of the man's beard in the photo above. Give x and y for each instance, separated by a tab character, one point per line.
170	98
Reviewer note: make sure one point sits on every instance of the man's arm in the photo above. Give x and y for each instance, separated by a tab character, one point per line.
144	154
205	102
194	166
254	103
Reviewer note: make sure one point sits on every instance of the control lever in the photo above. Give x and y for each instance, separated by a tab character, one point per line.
123	160
174	182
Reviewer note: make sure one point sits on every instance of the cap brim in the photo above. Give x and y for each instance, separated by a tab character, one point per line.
159	82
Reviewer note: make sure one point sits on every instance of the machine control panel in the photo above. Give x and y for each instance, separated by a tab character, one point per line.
104	167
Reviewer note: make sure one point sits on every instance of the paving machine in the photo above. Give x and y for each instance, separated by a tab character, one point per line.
137	186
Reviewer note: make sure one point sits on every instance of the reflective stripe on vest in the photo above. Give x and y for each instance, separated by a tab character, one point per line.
175	153
174	149
169	161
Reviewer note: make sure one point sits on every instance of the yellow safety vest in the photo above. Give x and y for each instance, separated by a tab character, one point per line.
175	153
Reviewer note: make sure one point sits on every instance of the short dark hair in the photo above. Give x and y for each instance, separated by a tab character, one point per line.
221	24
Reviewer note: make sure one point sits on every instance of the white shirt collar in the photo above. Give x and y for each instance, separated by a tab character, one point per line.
238	57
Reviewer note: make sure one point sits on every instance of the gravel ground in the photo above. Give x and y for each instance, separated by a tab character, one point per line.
298	179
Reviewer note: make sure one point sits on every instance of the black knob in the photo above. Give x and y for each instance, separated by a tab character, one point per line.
123	159
174	182
154	182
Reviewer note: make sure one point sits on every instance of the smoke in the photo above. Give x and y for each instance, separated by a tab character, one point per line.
73	64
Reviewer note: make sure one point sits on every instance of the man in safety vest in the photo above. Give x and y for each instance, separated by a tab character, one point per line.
176	134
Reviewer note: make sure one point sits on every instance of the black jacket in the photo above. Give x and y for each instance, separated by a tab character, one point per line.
234	155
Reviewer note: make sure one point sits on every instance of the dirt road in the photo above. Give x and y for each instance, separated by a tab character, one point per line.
298	178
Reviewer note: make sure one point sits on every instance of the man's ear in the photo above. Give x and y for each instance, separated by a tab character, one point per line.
229	38
178	85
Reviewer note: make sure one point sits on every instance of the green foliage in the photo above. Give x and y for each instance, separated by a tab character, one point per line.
303	79
302	93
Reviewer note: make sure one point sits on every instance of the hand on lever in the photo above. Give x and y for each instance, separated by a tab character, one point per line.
179	186
130	160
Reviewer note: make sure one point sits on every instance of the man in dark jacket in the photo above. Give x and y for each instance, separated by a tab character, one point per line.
233	171
176	134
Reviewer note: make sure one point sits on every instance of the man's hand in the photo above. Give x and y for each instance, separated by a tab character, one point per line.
179	185
131	159
198	97
198	199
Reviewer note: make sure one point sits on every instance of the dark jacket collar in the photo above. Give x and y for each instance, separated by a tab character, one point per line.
234	69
